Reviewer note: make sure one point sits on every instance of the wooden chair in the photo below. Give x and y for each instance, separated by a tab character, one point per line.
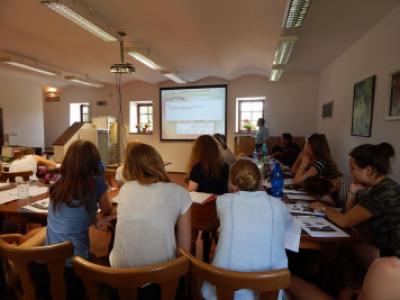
53	256
128	280
267	284
10	176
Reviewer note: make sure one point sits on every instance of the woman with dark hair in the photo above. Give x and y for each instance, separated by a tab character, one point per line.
74	201
315	160
208	171
369	165
76	197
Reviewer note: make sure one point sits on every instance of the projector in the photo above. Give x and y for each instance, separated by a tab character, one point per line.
124	68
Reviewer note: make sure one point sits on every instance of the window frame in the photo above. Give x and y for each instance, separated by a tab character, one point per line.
134	108
239	102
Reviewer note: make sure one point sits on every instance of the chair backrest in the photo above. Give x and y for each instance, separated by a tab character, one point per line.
53	256
128	280
226	282
10	176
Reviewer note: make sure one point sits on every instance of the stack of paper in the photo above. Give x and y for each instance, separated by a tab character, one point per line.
199	198
41	206
320	227
290	191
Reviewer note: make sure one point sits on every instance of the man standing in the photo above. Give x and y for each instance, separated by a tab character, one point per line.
261	134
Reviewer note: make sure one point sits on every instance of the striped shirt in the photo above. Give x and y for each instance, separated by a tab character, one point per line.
325	169
345	183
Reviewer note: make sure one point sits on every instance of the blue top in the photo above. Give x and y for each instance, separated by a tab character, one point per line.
253	227
262	135
72	223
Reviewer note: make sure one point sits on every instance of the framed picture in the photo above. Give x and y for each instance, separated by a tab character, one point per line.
363	107
393	110
327	110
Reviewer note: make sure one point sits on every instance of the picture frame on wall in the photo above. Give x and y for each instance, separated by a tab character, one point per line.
393	107
363	107
327	110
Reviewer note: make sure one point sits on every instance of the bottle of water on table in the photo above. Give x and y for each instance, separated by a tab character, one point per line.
277	181
255	155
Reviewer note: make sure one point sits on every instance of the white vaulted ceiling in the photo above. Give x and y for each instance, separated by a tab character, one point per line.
222	38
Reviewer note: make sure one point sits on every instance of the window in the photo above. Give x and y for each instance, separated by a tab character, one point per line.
250	109
140	117
79	112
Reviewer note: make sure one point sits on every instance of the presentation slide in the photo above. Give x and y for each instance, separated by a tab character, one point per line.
187	113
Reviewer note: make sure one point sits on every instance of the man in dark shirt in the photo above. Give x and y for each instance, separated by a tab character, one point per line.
289	152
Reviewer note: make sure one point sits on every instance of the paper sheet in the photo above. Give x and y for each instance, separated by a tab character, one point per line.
8	195
286	182
41	206
288	191
199	198
292	236
320	227
35	190
300	197
302	208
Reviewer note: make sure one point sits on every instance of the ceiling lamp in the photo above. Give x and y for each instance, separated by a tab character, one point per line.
276	73
85	18
296	13
174	77
144	57
29	64
84	81
284	49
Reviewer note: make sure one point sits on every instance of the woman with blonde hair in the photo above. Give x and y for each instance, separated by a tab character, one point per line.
208	171
149	207
253	226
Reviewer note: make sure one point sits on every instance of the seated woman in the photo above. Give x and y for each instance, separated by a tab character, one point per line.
341	192
369	165
253	226
314	160
228	156
27	161
149	207
208	171
381	282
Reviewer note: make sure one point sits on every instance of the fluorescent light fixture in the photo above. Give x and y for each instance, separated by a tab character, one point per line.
284	49
30	68
78	19
296	13
174	77
276	73
144	59
26	63
84	81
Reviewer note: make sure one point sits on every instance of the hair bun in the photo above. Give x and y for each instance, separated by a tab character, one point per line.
387	149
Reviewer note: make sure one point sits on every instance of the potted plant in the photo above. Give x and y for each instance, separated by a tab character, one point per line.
247	125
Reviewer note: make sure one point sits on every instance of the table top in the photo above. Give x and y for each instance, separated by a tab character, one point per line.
204	217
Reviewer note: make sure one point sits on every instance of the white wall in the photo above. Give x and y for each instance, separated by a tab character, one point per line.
376	53
291	106
22	102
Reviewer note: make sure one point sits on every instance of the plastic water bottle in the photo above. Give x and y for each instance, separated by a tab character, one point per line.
255	155
277	181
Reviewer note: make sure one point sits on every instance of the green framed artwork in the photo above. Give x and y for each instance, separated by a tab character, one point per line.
363	107
394	104
327	110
